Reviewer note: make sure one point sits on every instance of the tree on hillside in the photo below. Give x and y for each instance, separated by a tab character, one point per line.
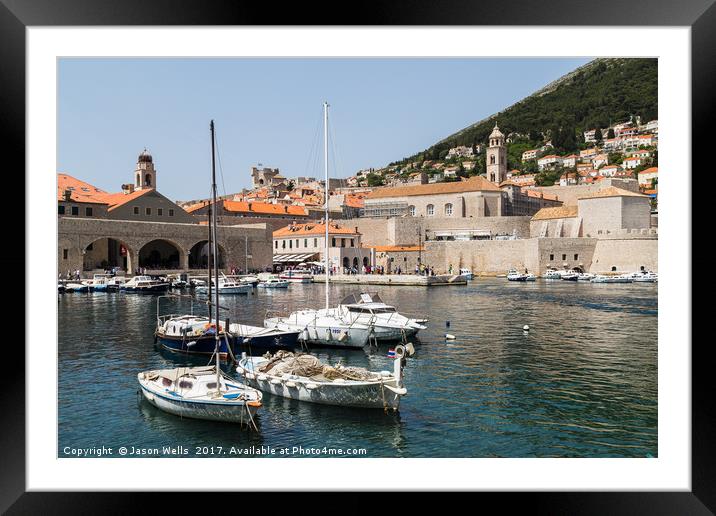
374	179
535	136
610	133
598	135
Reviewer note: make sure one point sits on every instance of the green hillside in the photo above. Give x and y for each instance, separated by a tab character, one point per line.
600	92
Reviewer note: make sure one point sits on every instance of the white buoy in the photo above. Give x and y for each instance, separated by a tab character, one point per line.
448	336
526	327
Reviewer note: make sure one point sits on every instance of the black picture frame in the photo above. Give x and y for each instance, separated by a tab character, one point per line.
16	15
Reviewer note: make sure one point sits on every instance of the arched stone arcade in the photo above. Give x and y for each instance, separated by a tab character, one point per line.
160	254
106	253
199	256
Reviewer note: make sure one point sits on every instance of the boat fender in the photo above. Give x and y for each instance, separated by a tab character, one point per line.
291	385
262	377
311	386
385	374
410	349
190	344
526	327
400	391
275	381
399	351
449	336
339	380
249	376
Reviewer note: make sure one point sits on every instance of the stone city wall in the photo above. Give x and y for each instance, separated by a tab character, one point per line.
404	230
75	234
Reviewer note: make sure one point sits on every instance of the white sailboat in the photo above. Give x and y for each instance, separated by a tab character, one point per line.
202	392
317	327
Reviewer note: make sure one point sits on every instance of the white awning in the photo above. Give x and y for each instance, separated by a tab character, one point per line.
292	258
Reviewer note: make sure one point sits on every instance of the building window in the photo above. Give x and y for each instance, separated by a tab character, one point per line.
88	212
61	210
315	242
551	257
430	210
290	244
564	257
75	210
333	242
448	209
64	254
148	211
614	269
352	245
576	257
148	180
136	210
275	244
160	211
411	210
283	244
305	242
171	213
343	242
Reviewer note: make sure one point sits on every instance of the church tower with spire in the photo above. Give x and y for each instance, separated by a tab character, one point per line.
496	157
145	177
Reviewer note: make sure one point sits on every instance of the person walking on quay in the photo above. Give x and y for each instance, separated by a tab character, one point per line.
450	269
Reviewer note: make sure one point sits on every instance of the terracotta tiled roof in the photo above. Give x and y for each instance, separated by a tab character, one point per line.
557	212
541	195
116	200
650	170
313	228
612	191
474	184
398	248
81	191
263	208
355	200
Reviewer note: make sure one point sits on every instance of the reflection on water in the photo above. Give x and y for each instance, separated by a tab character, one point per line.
581	383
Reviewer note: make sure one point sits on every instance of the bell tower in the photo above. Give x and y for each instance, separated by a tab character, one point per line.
145	177
496	157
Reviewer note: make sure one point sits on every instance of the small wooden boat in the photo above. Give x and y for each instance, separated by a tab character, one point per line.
200	393
304	377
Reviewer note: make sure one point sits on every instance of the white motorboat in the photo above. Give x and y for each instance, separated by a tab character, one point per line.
369	309
644	277
304	377
530	277
296	276
513	275
552	274
75	287
570	275
226	286
249	280
104	283
273	282
144	284
200	393
585	276
622	278
323	329
466	273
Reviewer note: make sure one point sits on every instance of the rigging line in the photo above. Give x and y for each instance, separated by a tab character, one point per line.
313	149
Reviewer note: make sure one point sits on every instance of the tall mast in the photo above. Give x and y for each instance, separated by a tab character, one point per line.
208	259
216	262
325	189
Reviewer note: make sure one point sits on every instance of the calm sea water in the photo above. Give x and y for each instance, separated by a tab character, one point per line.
581	383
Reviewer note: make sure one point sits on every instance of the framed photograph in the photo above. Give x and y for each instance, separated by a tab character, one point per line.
434	244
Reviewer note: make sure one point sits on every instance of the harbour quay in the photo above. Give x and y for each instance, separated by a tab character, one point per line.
393	280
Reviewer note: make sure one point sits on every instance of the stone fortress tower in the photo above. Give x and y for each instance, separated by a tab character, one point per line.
496	157
264	176
145	176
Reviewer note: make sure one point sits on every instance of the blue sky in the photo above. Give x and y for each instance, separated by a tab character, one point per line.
268	111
